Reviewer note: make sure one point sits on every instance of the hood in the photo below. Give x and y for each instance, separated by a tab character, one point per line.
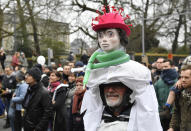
169	76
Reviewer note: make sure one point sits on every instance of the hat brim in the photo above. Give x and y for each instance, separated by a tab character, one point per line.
113	25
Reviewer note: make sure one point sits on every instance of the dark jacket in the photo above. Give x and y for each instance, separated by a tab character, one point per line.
2	57
59	121
2	60
10	83
163	85
182	112
38	108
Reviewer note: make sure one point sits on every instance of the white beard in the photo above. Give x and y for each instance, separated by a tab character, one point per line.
114	103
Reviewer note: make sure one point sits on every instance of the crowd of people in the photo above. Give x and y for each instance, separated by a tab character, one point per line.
113	94
51	86
170	83
42	98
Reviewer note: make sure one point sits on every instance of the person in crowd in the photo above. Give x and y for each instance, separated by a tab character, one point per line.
68	103
58	92
180	62
44	78
23	60
15	60
66	72
60	70
71	80
2	58
180	120
47	70
9	86
84	58
71	64
113	65
158	71
79	64
17	68
168	78
77	118
2	105
175	90
70	57
15	113
37	103
23	69
53	66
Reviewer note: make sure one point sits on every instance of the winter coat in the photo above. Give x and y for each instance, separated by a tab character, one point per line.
162	91
10	83
20	93
180	120
2	57
15	61
24	62
59	121
38	108
162	87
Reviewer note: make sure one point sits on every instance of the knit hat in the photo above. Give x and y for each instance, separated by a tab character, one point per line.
39	66
79	64
35	73
20	75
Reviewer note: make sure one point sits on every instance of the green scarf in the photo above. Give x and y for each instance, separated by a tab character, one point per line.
104	59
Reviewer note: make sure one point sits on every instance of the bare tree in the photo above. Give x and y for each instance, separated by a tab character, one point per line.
34	26
3	33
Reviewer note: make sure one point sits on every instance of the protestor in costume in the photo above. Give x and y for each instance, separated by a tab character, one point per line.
114	66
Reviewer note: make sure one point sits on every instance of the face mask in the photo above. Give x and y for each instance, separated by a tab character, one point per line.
109	40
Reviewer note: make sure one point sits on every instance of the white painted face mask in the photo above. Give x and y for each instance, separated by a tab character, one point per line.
109	40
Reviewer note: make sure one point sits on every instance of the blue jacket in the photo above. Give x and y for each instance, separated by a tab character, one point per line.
20	93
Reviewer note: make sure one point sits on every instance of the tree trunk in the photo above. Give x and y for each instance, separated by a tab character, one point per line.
175	42
180	22
1	26
23	25
35	30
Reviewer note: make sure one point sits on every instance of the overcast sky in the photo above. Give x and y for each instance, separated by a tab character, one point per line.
86	19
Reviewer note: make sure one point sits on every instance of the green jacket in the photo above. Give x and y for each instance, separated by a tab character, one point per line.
162	91
181	117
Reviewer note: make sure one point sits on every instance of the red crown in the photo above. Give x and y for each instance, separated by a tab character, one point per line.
113	19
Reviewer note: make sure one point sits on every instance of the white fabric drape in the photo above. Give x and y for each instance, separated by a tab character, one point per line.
144	114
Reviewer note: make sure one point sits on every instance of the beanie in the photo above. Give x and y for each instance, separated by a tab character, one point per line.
35	73
20	75
39	66
79	64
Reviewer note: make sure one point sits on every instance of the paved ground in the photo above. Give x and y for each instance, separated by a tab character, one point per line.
2	122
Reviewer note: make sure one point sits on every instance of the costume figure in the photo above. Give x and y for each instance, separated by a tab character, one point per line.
114	66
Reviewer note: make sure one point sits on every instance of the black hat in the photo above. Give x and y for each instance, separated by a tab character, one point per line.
35	73
79	63
39	66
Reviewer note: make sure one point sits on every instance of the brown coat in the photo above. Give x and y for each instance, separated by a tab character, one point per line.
181	118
